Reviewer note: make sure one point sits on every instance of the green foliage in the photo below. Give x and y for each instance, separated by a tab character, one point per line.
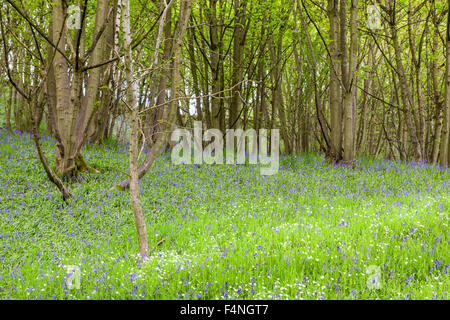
309	232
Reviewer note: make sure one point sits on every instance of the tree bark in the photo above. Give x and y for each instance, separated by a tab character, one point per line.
238	52
405	90
349	75
215	68
334	90
171	108
132	91
444	158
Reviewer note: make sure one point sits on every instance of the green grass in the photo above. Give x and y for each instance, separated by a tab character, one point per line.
309	232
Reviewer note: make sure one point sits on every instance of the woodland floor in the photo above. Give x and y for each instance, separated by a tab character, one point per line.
310	232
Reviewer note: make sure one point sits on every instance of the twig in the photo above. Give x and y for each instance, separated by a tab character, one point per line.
160	242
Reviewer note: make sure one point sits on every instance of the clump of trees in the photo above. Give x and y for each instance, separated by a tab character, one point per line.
316	70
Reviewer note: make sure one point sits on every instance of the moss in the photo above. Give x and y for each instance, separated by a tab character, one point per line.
82	166
119	187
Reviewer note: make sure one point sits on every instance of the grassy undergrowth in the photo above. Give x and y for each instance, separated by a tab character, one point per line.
310	232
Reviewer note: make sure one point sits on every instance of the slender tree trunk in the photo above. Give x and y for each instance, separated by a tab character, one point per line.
215	70
156	125
349	76
444	158
98	98
334	91
132	91
438	103
329	148
194	71
405	90
171	109
8	111
238	52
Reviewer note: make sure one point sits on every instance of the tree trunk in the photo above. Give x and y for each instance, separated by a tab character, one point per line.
405	90
334	90
171	108
215	70
132	91
8	111
238	52
438	103
349	75
444	159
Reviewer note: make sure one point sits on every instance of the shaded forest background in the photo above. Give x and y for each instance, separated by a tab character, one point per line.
337	77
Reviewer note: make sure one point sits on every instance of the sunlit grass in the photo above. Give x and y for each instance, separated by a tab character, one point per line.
309	232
